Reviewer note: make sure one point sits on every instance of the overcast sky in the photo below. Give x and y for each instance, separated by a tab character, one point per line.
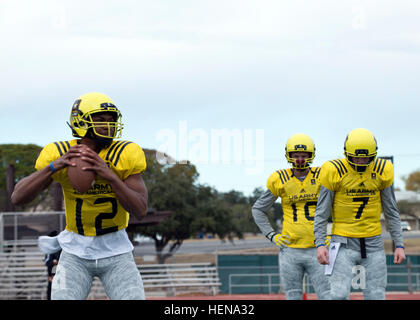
187	74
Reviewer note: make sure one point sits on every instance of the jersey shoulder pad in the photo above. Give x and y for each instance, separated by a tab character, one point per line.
284	175
276	181
126	156
51	152
332	172
339	165
383	169
315	171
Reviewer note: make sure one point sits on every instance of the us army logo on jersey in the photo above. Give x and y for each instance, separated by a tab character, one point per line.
98	188
360	192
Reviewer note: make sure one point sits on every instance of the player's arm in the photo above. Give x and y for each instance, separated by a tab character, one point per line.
259	213
260	210
28	188
393	222
131	193
391	213
322	213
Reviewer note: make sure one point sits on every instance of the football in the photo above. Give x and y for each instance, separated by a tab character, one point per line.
80	180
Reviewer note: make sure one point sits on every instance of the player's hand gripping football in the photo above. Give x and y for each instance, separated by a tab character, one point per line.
67	159
97	164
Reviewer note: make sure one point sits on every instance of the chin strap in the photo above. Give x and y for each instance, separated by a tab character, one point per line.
74	133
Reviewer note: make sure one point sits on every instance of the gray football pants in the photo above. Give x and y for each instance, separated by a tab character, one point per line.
119	275
368	274
294	263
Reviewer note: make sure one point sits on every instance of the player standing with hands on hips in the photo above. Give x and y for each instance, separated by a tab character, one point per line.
101	181
355	190
298	188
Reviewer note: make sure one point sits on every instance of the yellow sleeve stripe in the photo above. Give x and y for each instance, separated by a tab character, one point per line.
376	164
383	166
115	151
379	166
284	176
315	174
114	146
62	147
119	153
342	166
280	176
341	169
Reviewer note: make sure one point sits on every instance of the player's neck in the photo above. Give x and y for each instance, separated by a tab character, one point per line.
90	143
300	173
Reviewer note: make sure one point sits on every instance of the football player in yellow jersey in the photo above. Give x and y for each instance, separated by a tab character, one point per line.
94	242
354	191
298	188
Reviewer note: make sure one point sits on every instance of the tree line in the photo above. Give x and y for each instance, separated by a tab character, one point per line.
197	209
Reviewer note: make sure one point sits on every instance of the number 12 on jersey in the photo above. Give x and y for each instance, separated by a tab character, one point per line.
99	218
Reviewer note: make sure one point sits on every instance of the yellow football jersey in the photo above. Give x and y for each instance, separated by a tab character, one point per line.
357	202
97	211
299	199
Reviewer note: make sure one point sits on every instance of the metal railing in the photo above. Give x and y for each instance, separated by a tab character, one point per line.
270	283
14	230
404	281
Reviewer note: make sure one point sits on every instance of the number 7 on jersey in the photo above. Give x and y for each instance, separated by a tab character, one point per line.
364	201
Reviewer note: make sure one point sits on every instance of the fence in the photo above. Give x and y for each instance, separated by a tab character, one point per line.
270	283
18	227
23	275
234	274
260	274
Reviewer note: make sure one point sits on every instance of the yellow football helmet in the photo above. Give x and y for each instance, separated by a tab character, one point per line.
300	143
360	143
87	105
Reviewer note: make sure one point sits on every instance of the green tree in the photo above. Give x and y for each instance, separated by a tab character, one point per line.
22	157
242	210
412	181
196	208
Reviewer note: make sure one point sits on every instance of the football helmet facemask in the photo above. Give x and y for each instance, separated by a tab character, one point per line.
89	104
300	143
360	143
